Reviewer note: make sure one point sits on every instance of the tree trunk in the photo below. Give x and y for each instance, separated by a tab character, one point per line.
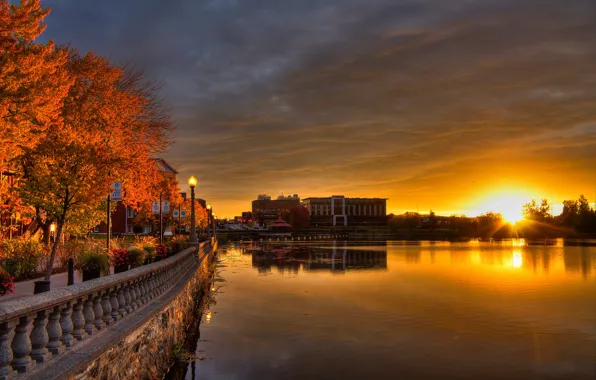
54	249
45	236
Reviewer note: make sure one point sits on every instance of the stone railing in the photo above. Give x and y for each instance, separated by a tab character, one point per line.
35	329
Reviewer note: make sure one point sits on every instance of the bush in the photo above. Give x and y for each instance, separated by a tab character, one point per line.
136	256
6	282
161	251
119	257
21	257
178	243
91	260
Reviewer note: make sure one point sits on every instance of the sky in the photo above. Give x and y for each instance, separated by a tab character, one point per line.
458	106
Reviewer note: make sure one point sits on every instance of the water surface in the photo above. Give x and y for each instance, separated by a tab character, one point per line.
409	310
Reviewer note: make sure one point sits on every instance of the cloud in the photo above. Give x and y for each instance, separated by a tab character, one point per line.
409	100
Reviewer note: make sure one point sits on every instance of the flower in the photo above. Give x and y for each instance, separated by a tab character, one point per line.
161	251
119	257
6	282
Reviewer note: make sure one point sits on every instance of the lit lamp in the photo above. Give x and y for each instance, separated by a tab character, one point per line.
192	182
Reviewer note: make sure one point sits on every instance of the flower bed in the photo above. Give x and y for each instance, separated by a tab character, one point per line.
6	282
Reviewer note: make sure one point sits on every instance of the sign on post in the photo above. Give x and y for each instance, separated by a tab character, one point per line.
116	194
176	214
183	213
165	207
155	207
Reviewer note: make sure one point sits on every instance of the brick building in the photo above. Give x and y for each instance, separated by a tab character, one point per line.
338	210
123	218
266	210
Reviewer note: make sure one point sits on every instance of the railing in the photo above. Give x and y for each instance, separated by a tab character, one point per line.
62	317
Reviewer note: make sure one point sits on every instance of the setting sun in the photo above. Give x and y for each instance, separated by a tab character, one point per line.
508	204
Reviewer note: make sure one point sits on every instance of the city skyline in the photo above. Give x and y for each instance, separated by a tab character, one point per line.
458	107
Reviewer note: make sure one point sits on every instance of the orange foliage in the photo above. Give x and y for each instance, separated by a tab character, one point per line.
34	79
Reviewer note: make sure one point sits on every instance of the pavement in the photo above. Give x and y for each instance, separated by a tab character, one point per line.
25	288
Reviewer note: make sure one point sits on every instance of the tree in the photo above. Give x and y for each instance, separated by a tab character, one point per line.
411	220
110	128
570	213
532	211
432	220
34	78
299	217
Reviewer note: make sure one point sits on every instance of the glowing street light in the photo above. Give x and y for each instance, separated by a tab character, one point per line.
192	182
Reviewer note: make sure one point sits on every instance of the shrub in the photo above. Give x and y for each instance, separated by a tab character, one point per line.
136	256
21	257
119	257
91	260
6	282
178	243
150	249
161	251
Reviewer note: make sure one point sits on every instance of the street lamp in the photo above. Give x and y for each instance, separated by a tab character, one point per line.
192	182
209	218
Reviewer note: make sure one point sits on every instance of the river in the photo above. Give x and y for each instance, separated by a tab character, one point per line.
407	310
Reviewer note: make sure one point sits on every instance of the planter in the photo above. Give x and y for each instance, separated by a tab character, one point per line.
41	286
120	268
91	274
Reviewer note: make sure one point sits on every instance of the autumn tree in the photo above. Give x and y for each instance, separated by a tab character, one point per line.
34	79
111	128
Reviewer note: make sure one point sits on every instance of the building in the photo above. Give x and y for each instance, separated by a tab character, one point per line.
266	210
338	210
123	219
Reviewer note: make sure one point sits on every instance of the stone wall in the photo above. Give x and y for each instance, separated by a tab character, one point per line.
148	351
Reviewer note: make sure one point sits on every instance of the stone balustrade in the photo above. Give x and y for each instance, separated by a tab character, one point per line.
35	329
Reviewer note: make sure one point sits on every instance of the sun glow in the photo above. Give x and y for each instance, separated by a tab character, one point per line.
508	204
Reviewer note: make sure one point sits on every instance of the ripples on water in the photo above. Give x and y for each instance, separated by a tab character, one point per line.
414	310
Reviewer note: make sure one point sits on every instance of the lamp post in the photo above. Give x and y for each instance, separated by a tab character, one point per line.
209	217
192	182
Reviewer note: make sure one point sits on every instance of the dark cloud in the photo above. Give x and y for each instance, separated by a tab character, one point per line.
411	100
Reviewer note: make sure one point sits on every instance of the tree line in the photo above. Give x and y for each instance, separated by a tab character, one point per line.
72	124
576	219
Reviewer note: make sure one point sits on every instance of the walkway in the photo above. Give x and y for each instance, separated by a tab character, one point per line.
25	288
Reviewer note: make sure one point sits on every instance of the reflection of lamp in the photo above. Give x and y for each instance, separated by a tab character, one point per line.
208	316
192	182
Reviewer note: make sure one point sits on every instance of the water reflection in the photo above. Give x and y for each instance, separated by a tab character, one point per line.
538	257
337	257
420	310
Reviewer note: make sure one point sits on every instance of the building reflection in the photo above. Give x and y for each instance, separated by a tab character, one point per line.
338	258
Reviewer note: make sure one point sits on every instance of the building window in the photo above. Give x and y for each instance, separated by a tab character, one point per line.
130	213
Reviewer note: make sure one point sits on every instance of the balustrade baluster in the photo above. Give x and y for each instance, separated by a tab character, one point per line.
89	315
40	338
106	306
21	347
6	370
54	332
66	324
78	320
151	288
133	295
121	302
144	288
127	298
114	304
98	311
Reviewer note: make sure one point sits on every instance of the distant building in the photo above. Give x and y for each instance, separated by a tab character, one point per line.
338	210
123	219
266	210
